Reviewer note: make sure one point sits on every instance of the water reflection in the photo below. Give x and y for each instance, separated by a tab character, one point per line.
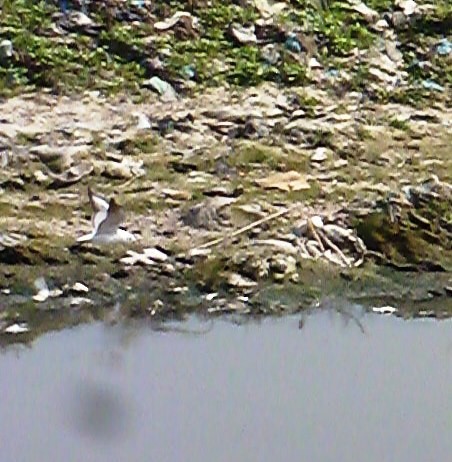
100	412
256	392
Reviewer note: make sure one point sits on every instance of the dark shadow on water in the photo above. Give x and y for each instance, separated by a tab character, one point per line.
99	412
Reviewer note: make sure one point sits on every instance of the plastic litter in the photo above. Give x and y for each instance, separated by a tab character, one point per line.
293	44
332	73
18	328
243	35
444	47
189	71
432	85
6	49
164	89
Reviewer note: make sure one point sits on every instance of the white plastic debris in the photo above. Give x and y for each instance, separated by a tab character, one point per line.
177	17
6	49
314	64
243	35
18	328
4	159
409	7
210	297
384	309
164	89
43	290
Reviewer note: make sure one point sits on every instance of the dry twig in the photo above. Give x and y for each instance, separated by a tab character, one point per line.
246	228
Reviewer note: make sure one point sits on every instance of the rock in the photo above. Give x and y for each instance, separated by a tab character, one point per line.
155	254
79	287
150	256
268	9
252	209
278	244
179	17
236	280
285	181
369	14
77	21
202	215
196	252
119	171
176	194
317	221
243	35
71	176
320	154
134	258
284	264
80	301
40	177
143	122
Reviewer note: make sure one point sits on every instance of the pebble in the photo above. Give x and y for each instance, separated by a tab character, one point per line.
320	155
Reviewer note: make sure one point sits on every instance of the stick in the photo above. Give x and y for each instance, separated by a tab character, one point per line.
334	247
314	234
246	228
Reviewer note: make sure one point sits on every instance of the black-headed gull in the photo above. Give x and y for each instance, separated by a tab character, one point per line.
107	216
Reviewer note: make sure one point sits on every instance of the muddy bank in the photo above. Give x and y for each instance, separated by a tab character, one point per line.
263	207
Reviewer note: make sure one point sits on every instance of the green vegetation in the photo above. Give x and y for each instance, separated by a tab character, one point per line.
120	49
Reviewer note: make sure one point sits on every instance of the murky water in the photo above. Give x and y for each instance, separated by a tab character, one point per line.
256	392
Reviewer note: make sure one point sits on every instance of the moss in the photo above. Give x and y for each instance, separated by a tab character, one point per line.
145	144
402	242
209	273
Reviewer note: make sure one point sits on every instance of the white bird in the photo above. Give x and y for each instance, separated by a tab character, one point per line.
107	216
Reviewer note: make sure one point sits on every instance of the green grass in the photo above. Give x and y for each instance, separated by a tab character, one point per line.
118	57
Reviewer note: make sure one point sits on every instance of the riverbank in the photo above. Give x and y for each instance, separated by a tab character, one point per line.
259	200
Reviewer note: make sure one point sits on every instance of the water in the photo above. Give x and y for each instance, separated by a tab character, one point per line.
256	392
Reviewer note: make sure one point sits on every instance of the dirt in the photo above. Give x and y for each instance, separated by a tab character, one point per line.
204	169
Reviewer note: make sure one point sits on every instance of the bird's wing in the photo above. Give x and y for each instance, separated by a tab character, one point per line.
86	237
97	202
98	218
100	208
113	218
